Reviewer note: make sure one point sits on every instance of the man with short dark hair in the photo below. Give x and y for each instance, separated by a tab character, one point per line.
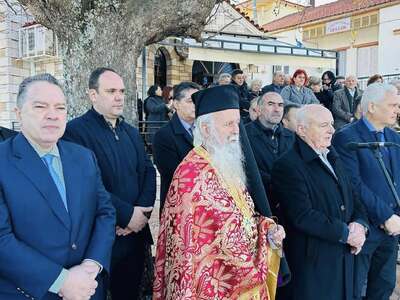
289	116
174	141
278	83
57	222
239	80
127	173
269	139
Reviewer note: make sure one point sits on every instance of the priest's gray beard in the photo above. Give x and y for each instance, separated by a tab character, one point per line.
227	158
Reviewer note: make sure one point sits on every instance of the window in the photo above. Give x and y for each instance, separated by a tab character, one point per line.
356	23
342	62
365	21
319	31
313	33
367	61
306	34
374	19
280	68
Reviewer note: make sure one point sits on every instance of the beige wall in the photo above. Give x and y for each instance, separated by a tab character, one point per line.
345	39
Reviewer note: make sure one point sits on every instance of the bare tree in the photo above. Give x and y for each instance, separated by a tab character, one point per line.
113	33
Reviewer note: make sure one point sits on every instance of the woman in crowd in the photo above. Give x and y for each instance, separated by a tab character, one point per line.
314	83
297	92
255	89
329	86
375	78
156	111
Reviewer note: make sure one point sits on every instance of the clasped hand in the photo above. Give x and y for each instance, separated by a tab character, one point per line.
137	223
276	234
80	283
356	238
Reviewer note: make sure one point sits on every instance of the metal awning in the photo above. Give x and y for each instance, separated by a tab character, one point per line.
233	49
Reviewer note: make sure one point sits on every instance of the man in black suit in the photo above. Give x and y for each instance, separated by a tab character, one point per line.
6	133
173	141
127	173
268	138
325	223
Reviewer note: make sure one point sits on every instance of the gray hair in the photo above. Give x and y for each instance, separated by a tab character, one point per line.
29	81
262	99
275	74
375	93
198	138
224	76
305	114
314	80
396	83
255	81
255	100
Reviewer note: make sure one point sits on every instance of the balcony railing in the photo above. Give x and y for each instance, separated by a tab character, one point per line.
387	78
36	41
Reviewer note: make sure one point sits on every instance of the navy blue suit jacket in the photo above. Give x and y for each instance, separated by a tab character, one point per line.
38	237
366	174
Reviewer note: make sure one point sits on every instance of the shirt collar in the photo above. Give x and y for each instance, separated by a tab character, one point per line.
273	130
185	124
41	152
368	124
324	153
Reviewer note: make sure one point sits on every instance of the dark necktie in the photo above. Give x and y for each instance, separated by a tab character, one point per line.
380	137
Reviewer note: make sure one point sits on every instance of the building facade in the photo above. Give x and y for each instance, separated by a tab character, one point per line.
366	34
230	40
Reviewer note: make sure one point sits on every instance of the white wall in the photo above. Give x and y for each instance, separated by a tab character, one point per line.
389	43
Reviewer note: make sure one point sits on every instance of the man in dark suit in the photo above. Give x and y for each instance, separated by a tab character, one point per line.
174	141
325	224
57	223
239	80
269	139
376	264
127	173
6	133
344	102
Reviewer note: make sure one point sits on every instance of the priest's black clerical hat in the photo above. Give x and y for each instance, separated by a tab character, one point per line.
215	99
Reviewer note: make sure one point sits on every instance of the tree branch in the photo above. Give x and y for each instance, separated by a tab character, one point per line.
10	6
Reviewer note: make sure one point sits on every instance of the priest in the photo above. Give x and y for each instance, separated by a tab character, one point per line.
212	243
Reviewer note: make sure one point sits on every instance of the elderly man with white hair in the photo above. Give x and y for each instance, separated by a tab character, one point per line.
325	224
376	264
212	243
344	102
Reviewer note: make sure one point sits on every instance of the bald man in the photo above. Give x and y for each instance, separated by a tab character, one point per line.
325	224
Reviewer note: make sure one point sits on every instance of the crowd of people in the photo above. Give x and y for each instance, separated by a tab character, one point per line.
260	198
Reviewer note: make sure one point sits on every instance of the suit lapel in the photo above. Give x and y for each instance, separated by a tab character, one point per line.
30	164
346	100
180	130
364	132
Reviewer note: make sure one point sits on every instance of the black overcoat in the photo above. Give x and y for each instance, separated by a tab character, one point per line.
317	207
170	146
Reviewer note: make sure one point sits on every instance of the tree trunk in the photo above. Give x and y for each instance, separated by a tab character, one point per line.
112	33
